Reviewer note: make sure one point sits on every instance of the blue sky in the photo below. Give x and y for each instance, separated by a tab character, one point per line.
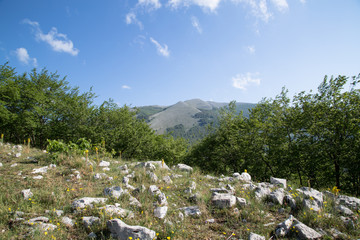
159	52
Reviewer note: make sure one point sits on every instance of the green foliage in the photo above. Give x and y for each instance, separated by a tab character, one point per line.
313	139
42	106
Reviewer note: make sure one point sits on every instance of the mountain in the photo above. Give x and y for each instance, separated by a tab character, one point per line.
186	119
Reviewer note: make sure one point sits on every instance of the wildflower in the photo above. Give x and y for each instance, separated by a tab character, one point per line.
130	238
233	234
245	170
168	238
157	234
45	233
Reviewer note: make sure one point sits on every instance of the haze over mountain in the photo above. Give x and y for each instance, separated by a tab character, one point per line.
186	119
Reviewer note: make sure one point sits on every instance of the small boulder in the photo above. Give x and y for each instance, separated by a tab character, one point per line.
191	211
160	212
104	164
120	230
223	200
184	168
89	221
278	181
87	201
254	236
114	191
26	194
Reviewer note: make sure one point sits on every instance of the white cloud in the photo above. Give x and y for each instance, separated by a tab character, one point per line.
195	23
131	18
258	8
211	5
303	1
125	87
162	50
242	81
150	4
23	56
281	5
251	49
58	41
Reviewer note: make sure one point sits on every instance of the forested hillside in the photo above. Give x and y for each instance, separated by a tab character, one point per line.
40	105
313	138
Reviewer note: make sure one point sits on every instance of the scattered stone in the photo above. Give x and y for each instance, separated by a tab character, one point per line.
52	166
17	155
305	232
116	210
104	164
241	201
134	202
68	222
278	181
125	180
191	211
106	169
146	165
160	212
210	220
92	235
312	198
160	164
211	177
89	221
167	180
26	194
114	191
288	199
19	214
13	165
300	230
100	175
219	190
351	202
152	176
40	170
183	167
194	198
262	191
245	177
223	200
344	210
1	164
38	220
120	230
46	227
283	228
38	177
277	196
87	201
254	236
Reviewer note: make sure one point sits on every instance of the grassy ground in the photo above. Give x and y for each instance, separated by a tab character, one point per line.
60	187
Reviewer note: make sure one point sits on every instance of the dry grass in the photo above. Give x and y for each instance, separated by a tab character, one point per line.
59	188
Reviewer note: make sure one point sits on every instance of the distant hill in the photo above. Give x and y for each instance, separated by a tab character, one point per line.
187	119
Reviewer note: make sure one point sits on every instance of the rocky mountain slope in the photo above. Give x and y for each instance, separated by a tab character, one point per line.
187	116
96	197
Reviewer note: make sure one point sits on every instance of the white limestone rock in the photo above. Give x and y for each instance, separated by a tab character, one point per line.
87	202
278	181
160	212
351	202
344	210
27	194
277	196
68	222
89	221
116	210
104	164
254	236
184	168
38	177
119	230
191	211
114	191
41	170
223	200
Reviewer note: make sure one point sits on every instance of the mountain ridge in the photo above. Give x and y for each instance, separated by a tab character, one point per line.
188	118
